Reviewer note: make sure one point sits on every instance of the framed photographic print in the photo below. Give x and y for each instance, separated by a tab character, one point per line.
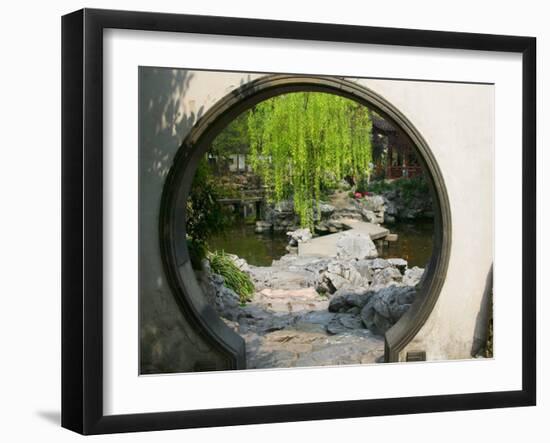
270	221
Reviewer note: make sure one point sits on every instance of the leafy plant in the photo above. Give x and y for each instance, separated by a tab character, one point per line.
407	187
362	184
234	139
204	216
381	186
198	250
234	278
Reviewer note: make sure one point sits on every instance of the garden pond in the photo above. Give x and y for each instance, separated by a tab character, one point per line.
414	244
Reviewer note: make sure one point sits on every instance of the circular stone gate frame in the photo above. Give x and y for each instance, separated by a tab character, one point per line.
175	255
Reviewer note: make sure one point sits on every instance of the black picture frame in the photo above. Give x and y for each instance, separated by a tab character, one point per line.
82	219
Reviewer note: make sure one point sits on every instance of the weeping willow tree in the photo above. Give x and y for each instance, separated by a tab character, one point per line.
302	142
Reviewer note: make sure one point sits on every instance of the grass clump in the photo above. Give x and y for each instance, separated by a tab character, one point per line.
234	278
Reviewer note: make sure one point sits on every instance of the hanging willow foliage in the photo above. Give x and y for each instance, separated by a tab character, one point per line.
301	142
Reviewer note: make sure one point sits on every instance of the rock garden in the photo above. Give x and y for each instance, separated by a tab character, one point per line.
311	311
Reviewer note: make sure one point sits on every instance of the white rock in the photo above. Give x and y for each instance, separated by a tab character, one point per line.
397	262
355	245
386	276
375	203
299	236
326	209
412	276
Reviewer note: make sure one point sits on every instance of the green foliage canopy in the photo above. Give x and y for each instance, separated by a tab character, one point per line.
301	142
233	139
407	188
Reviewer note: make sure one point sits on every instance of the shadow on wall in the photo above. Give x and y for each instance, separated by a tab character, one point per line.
483	316
165	118
167	342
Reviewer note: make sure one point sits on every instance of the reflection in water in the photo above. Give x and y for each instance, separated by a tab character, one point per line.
414	244
256	249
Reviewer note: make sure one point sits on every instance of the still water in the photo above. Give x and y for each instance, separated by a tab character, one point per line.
414	244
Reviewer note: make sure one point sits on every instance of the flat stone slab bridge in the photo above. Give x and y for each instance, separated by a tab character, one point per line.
325	246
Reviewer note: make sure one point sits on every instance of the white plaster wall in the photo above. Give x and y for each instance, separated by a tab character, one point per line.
456	120
171	101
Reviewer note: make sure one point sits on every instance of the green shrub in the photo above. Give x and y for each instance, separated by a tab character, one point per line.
362	184
235	279
380	186
413	186
197	251
407	187
205	216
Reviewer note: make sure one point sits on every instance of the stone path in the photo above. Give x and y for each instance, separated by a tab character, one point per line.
317	311
292	327
325	246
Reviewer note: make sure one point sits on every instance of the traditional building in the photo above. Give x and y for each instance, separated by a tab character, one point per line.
394	155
